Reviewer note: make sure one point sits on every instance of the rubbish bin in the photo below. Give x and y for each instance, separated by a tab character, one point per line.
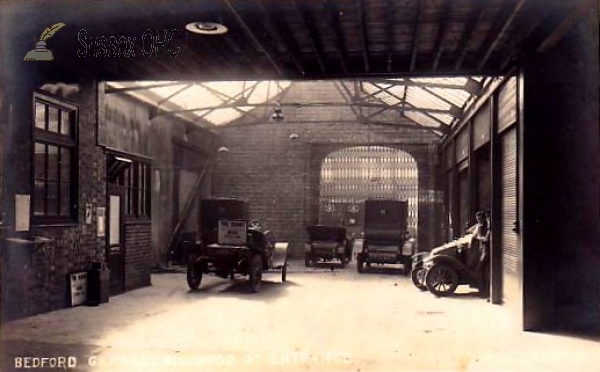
98	284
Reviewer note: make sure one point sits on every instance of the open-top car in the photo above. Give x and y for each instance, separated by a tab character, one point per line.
327	243
232	244
446	267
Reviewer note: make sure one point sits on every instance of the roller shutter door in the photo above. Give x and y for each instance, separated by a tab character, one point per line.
464	201
508	144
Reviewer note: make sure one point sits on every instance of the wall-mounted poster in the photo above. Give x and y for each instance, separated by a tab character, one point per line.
101	221
115	220
88	214
22	210
78	283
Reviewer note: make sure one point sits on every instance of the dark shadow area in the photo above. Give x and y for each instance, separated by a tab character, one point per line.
336	265
588	334
385	270
270	289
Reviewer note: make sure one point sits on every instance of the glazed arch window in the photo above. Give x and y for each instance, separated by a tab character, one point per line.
55	164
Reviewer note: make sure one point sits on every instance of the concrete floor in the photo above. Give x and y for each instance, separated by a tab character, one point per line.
319	320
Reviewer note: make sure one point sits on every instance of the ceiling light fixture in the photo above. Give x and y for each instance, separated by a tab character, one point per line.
277	114
206	28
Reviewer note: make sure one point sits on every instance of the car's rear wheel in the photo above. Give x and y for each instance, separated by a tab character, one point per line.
284	273
441	280
407	263
194	273
418	278
255	273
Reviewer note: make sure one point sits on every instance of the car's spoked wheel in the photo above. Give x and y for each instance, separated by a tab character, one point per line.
344	262
441	280
284	272
359	264
418	278
255	273
307	260
194	273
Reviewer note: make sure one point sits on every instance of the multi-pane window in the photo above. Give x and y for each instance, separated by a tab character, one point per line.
55	145
134	177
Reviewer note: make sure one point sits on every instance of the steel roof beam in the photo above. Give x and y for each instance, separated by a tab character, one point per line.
273	21
309	23
565	25
334	17
391	14
364	37
415	37
467	32
505	27
359	105
408	83
110	89
254	39
446	8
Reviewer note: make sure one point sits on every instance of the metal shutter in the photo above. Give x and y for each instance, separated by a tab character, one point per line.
464	201
508	148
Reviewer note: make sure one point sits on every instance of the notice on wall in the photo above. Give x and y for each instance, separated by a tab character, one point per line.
88	214
22	211
101	221
114	220
78	283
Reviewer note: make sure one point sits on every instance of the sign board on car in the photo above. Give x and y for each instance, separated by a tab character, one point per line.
232	232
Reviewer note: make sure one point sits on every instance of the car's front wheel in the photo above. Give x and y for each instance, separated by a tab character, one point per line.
255	273
418	278
194	273
360	262
441	280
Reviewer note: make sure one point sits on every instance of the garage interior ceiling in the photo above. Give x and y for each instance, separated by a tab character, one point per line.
296	39
436	103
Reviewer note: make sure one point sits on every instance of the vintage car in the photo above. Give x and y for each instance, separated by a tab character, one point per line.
232	244
446	267
385	238
327	243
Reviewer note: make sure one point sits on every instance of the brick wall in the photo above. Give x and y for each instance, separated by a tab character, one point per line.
279	176
138	262
38	273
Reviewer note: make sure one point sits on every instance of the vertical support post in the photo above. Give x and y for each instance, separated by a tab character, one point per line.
496	184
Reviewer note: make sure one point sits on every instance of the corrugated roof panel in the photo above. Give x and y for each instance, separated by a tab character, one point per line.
456	96
421	119
223	116
387	98
418	97
446	119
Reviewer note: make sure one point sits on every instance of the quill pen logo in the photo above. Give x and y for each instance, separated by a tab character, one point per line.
39	52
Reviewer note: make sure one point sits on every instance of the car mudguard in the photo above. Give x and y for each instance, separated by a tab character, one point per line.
451	261
280	256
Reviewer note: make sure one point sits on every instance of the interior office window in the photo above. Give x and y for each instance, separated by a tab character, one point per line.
137	189
144	190
55	146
